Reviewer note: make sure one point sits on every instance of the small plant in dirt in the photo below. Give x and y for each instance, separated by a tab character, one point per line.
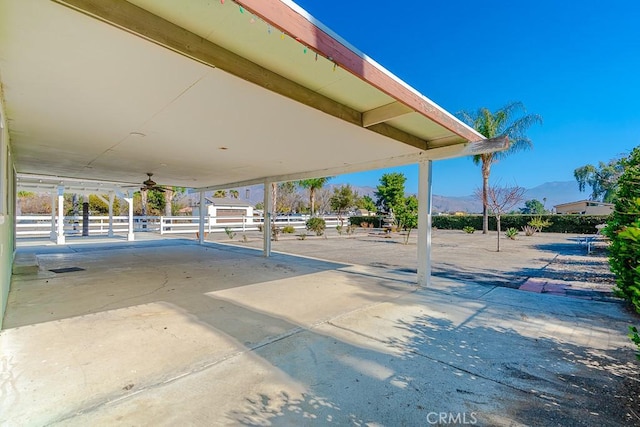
529	230
511	233
259	227
288	229
302	236
317	225
468	229
635	337
229	232
244	238
351	229
275	232
538	223
339	229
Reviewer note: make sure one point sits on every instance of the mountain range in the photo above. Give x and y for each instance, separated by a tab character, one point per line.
549	193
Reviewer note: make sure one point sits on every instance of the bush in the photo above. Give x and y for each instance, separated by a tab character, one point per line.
511	233
317	225
365	221
623	229
529	230
538	223
468	229
577	224
229	232
288	229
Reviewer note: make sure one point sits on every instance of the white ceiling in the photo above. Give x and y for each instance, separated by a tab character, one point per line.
79	92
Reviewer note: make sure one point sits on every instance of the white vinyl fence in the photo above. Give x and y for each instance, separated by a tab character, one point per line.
40	225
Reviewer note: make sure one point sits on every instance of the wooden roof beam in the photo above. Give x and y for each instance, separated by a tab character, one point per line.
384	113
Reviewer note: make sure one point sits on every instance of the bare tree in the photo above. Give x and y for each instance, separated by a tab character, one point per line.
500	200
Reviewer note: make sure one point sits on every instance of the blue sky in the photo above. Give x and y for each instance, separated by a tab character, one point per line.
577	64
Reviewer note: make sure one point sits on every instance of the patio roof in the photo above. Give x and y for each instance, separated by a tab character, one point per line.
204	94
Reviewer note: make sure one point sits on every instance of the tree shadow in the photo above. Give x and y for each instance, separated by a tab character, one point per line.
400	374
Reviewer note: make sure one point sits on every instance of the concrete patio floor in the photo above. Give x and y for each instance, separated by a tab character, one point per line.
167	332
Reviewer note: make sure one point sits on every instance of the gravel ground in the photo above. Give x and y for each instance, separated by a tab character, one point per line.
457	255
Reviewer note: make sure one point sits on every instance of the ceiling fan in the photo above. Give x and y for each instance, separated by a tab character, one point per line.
150	184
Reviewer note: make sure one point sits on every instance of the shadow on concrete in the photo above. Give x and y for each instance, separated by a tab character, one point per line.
495	375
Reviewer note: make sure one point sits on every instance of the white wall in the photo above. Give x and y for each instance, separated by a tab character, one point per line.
7	212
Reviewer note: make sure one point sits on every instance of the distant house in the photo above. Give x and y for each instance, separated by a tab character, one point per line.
585	207
226	210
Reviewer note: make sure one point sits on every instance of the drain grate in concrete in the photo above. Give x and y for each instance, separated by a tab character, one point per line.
66	269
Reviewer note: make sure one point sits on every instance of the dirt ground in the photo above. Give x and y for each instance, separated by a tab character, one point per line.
552	257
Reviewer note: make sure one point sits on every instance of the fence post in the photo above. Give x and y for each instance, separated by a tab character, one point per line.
161	225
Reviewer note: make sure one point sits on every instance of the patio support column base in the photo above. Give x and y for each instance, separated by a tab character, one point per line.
266	219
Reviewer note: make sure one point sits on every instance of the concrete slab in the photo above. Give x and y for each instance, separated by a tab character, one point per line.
176	333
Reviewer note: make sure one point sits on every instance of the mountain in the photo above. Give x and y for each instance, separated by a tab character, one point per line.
549	193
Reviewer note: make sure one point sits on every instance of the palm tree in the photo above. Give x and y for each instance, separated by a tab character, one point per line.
220	194
496	124
313	184
234	194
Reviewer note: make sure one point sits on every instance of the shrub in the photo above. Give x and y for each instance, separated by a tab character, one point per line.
229	232
511	233
288	229
339	229
468	229
275	232
317	225
350	229
366	221
302	235
538	223
623	228
529	230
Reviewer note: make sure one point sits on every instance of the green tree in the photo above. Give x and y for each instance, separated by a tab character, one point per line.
342	199
533	207
623	228
313	185
407	215
98	207
502	122
155	202
602	179
366	202
390	193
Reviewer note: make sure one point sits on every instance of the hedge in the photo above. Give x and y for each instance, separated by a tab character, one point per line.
358	220
576	224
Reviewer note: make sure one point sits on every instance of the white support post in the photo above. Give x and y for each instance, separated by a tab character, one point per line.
424	222
129	200
266	221
112	197
60	240
52	235
203	206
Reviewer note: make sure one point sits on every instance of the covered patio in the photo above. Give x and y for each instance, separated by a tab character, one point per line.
204	95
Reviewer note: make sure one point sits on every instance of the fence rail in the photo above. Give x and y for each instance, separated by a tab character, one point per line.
40	225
